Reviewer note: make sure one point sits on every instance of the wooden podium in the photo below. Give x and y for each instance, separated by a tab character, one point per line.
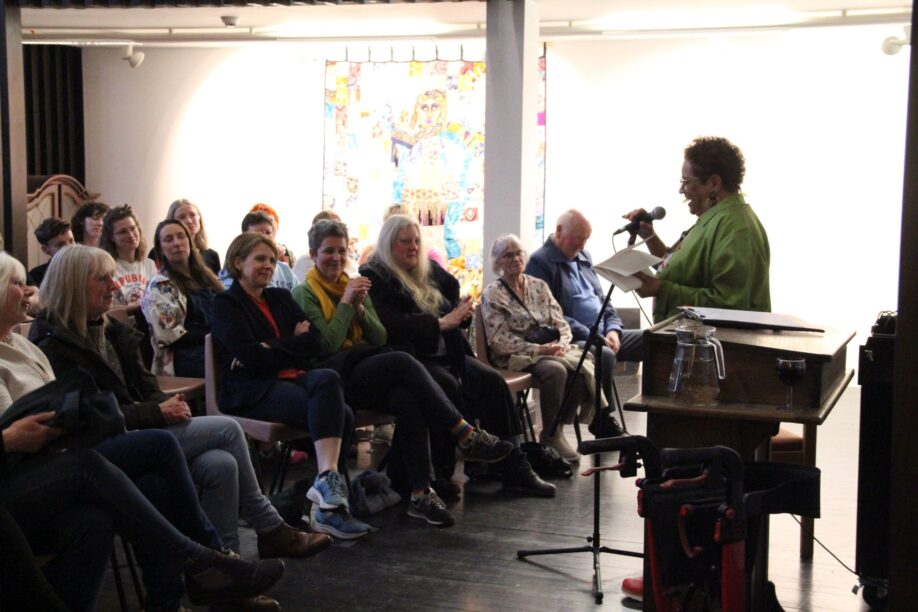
750	405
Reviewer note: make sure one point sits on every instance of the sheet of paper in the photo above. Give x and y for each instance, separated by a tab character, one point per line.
619	268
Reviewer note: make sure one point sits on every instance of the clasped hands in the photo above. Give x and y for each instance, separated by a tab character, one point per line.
462	312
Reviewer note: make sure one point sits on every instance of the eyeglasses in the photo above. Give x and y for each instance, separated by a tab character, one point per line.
685	181
510	255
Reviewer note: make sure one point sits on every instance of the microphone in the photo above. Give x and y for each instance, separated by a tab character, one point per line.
632	227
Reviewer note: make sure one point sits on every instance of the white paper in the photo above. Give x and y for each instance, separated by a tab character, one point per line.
620	268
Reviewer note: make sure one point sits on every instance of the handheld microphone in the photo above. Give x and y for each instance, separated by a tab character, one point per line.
632	227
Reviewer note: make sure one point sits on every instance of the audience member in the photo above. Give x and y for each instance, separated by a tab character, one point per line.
419	304
263	342
526	331
262	223
122	238
398	209
563	263
190	215
391	381
52	234
153	459
284	253
86	223
305	262
178	303
73	332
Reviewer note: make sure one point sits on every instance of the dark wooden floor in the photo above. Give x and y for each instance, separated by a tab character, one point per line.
407	565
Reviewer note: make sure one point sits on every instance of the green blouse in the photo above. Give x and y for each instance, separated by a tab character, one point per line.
334	332
723	263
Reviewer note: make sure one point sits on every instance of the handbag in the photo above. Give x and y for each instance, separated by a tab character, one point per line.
541	334
86	414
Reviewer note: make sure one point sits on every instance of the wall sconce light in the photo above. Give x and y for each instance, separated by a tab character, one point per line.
134	58
893	44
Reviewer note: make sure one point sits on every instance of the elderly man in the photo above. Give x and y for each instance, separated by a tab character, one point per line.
567	268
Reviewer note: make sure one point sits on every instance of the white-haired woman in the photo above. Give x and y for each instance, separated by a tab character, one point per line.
73	332
419	304
526	331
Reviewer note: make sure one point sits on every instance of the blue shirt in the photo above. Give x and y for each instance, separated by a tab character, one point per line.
585	302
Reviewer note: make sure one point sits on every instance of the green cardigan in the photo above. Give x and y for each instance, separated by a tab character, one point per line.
723	263
334	332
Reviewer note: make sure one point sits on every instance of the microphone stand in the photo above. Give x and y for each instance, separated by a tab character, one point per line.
593	541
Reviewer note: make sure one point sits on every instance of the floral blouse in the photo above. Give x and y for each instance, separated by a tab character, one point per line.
164	307
506	321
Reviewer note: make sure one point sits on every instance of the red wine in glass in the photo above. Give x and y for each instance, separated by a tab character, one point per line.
790	372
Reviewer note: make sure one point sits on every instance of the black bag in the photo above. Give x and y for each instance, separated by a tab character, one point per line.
86	414
545	461
541	334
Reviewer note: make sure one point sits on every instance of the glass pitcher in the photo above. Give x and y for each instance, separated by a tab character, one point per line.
698	365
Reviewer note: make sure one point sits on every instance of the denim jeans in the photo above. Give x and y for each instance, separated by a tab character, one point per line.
58	490
153	459
221	468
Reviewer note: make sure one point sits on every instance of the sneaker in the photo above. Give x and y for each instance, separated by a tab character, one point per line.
633	588
227	577
610	427
559	443
484	447
447	490
328	492
431	509
339	524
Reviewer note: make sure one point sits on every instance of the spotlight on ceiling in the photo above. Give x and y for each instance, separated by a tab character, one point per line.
134	58
893	44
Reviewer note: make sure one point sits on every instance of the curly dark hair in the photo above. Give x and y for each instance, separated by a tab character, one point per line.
710	155
87	210
51	227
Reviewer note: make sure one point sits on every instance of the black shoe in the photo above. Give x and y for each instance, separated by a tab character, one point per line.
227	577
610	427
527	481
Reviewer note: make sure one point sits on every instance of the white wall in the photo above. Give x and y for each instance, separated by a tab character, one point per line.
820	115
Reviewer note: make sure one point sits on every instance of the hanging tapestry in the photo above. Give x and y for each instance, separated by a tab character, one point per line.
412	134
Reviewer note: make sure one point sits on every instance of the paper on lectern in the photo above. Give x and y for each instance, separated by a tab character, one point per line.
620	268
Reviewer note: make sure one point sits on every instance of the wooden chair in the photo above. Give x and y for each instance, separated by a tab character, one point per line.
192	388
520	383
790	447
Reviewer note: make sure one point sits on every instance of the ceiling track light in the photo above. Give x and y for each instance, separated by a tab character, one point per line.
894	44
134	58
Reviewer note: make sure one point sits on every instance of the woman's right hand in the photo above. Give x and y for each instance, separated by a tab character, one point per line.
175	409
29	434
457	315
645	230
555	349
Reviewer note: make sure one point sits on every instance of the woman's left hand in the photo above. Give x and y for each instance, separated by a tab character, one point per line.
650	285
555	349
301	328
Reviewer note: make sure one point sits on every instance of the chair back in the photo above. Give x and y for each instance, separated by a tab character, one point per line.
481	338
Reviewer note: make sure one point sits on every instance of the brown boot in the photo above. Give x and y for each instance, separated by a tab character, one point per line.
261	603
285	541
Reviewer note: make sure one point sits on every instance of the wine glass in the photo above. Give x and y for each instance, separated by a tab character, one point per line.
790	371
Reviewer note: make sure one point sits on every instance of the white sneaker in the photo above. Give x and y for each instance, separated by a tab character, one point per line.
559	443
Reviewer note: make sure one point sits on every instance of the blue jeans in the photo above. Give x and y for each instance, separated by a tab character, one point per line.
218	458
153	459
61	490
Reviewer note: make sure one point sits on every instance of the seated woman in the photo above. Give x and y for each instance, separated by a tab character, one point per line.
393	382
56	500
73	332
122	238
189	214
264	343
86	223
178	303
418	302
513	307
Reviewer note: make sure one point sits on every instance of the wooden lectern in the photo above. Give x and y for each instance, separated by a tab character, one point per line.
751	403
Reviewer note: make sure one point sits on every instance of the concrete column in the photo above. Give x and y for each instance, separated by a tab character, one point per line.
510	122
13	166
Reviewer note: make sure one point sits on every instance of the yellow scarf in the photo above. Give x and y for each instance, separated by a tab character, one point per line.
322	289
